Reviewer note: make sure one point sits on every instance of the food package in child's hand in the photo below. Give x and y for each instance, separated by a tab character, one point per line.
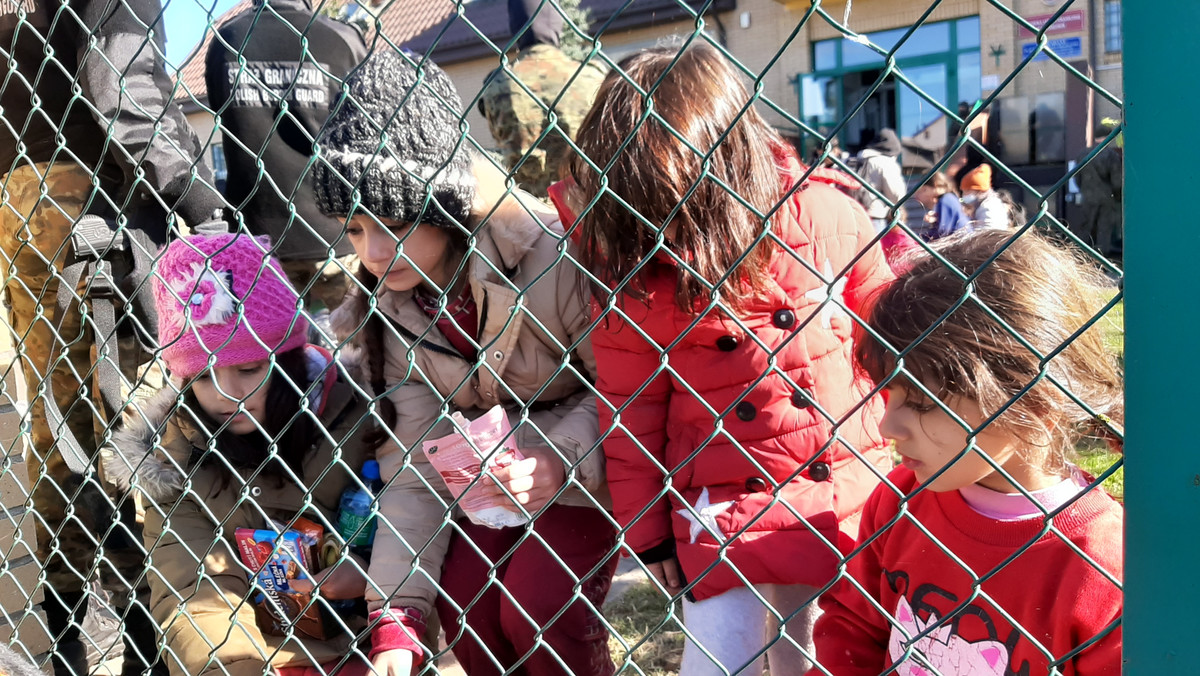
279	606
460	461
311	535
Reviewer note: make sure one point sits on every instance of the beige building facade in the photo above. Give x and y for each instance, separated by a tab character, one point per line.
814	73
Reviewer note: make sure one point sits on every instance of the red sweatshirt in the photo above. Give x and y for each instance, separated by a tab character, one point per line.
1059	599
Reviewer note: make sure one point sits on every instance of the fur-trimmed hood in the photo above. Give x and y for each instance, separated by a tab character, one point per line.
191	517
153	447
149	450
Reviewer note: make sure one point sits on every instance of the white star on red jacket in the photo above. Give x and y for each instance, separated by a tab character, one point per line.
834	293
703	517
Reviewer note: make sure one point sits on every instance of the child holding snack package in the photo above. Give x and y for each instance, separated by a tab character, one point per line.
239	471
466	304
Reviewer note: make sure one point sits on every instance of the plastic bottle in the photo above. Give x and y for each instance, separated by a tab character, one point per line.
356	513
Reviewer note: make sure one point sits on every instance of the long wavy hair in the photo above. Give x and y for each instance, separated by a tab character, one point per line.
678	142
1032	291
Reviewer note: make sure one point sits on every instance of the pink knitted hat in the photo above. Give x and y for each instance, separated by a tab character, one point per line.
197	303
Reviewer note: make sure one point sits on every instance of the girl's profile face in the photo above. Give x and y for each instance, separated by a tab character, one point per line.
927	439
927	195
395	251
221	388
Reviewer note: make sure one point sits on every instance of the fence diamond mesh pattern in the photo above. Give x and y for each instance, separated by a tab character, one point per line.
622	328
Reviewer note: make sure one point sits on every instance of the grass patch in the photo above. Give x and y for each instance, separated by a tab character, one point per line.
655	641
1095	459
1112	327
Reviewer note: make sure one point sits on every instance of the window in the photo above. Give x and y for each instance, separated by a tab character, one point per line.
1033	129
942	60
220	171
1112	26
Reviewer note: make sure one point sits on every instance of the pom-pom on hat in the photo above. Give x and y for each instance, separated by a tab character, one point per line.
396	138
198	283
978	179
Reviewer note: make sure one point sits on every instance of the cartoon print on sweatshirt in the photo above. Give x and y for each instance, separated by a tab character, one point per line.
941	649
971	642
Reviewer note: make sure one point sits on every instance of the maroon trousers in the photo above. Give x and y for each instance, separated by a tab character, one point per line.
512	621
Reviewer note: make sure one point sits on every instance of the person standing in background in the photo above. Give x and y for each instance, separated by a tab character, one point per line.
982	204
90	128
273	73
944	213
556	84
880	169
1100	185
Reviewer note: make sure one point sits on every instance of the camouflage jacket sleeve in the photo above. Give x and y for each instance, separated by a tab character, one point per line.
123	78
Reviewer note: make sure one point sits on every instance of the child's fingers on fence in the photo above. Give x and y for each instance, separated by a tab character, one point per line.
667	574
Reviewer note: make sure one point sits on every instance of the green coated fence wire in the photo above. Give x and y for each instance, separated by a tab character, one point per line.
82	569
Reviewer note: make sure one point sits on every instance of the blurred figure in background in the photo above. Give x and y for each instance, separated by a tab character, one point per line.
983	205
879	168
944	215
517	118
1100	186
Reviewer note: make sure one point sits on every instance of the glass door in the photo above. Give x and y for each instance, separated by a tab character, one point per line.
917	116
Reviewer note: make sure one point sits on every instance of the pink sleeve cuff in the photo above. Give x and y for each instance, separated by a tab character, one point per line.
398	629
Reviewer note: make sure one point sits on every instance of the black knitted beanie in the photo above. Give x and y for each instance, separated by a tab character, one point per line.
397	142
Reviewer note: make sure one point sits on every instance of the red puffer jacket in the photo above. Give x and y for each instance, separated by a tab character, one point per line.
729	421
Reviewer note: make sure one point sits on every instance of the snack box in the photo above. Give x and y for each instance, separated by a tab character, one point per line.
275	560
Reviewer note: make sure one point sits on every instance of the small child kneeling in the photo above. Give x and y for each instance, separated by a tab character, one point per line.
958	570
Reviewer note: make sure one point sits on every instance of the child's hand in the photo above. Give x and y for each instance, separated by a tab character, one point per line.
532	481
393	663
668	575
342	581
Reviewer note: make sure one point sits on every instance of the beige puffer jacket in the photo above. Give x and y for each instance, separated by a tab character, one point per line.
200	593
533	324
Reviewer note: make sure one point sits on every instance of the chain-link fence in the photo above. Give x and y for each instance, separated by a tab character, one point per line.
589	337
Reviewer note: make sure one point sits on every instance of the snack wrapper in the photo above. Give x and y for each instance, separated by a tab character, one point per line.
273	568
460	459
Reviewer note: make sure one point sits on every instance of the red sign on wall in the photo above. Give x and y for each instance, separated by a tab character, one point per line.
1069	22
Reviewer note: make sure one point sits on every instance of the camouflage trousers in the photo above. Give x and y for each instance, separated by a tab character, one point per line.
75	518
543	80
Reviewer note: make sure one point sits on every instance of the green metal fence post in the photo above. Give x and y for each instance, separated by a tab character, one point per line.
1162	479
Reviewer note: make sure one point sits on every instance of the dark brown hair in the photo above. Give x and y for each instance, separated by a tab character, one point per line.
941	183
373	351
633	134
292	433
1041	291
